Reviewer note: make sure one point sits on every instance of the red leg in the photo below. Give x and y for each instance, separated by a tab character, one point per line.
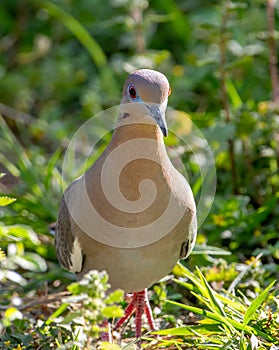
139	312
130	309
150	319
139	305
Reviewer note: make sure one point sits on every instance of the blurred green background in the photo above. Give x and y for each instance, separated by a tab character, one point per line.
62	62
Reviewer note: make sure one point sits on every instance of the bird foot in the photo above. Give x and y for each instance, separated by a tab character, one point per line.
138	305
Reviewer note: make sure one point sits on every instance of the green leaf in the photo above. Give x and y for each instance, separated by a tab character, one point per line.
209	250
72	317
190	330
242	344
50	168
12	314
79	31
233	94
231	324
62	308
31	262
256	304
95	50
215	303
24	233
115	297
75	288
181	270
5	200
189	286
113	311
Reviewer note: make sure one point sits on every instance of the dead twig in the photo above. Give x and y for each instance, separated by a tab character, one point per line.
38	302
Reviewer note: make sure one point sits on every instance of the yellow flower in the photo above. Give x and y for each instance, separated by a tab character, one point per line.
253	261
257	233
218	220
178	70
2	254
263	107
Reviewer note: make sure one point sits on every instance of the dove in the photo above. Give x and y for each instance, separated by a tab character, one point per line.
131	213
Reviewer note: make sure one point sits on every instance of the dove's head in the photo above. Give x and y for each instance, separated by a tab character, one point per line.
148	89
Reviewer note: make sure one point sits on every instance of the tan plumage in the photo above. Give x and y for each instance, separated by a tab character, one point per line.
142	249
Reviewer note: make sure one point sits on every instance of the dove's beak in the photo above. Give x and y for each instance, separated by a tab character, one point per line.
158	112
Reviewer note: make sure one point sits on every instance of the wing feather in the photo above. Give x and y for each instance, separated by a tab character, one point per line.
68	250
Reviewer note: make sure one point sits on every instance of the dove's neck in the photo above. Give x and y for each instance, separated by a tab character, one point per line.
139	141
141	130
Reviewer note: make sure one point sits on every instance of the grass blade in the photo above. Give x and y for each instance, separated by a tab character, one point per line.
92	46
62	308
214	302
212	315
97	54
256	303
189	330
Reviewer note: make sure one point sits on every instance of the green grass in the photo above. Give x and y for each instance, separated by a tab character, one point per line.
227	321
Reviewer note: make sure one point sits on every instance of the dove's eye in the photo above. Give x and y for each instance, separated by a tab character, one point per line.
132	91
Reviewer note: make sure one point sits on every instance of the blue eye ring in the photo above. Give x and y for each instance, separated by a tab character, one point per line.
132	91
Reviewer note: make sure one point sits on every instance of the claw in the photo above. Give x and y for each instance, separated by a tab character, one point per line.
138	305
